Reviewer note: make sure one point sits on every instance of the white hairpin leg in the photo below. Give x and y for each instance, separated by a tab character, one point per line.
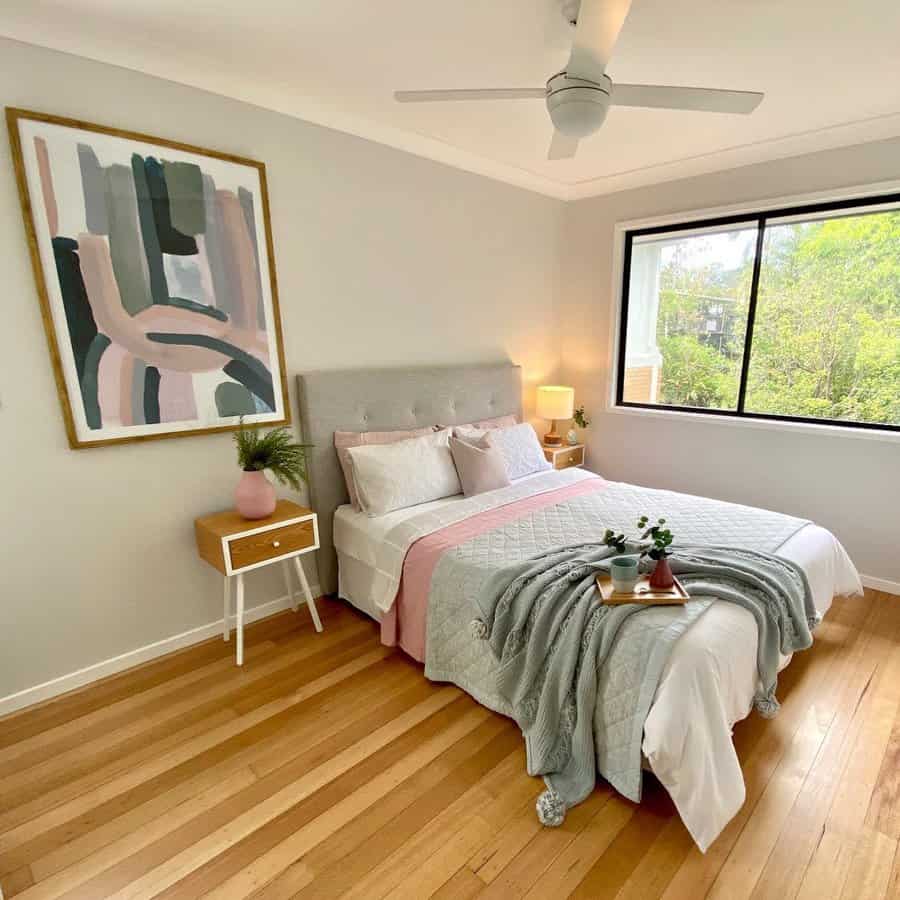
286	568
239	624
226	609
307	593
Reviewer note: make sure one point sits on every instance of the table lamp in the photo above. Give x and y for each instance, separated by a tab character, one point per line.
555	402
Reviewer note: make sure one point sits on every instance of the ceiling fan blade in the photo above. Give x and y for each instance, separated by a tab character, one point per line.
700	99
477	94
599	24
562	146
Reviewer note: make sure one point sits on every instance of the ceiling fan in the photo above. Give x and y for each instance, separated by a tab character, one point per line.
578	97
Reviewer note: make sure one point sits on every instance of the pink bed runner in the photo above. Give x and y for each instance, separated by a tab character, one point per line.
404	624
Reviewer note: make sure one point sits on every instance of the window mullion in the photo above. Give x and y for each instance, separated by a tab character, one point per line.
751	313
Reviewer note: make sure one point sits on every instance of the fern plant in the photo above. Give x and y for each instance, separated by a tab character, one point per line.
276	451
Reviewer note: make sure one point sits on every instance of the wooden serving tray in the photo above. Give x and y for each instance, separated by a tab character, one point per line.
642	593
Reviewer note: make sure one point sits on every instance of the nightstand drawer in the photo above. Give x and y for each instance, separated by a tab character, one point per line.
256	548
565	457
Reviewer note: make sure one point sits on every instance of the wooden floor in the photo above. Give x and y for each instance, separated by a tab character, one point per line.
329	767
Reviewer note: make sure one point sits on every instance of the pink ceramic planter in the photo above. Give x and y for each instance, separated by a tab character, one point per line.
254	497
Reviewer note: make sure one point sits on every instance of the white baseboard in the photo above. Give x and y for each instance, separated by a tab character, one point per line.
881	584
107	667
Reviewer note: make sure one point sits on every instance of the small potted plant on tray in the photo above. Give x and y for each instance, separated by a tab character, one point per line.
276	451
661	577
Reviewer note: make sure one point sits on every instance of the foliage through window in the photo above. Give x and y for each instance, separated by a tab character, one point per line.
791	314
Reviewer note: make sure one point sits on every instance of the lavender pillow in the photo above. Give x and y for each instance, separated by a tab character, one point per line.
481	467
344	440
519	446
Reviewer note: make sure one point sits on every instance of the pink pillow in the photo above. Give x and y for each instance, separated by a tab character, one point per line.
481	467
344	440
486	424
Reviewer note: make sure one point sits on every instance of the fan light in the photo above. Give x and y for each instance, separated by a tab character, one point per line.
577	107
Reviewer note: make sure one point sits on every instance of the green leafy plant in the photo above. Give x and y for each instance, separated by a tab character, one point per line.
616	541
580	419
275	451
661	537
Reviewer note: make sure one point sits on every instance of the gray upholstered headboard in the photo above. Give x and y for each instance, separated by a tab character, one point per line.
384	399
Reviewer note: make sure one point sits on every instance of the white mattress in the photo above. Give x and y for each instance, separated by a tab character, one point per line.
707	685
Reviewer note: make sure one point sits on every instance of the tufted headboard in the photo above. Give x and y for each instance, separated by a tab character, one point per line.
385	399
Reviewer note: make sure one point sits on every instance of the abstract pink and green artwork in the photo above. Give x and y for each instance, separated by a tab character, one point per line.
152	261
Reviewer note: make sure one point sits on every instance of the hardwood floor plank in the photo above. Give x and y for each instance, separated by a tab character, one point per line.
494	855
447	857
185	849
49	714
238	740
569	868
329	767
340	802
869	872
884	808
167	701
418	797
70	877
463	885
30	801
616	865
653	873
73	842
469	784
517	877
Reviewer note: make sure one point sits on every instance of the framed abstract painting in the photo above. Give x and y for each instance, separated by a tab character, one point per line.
156	277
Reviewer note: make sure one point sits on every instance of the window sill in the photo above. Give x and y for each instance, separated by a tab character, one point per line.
869	434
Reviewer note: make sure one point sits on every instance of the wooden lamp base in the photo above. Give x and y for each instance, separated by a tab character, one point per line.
551	438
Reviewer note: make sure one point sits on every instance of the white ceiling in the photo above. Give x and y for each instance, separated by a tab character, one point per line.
830	71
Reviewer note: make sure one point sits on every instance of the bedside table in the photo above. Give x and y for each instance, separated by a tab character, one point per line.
565	456
234	545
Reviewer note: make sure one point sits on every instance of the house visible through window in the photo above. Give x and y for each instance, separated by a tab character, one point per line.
789	314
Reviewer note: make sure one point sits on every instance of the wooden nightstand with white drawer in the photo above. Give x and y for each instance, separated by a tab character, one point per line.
234	545
565	456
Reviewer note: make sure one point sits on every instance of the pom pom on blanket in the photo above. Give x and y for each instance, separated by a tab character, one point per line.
550	809
478	629
767	706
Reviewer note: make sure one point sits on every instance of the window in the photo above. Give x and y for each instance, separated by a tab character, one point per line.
790	314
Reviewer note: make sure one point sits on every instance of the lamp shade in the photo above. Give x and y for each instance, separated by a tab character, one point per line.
555	402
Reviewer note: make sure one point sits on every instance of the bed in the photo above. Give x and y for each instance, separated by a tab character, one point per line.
384	566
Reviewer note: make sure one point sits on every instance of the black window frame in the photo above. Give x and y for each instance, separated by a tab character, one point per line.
753	219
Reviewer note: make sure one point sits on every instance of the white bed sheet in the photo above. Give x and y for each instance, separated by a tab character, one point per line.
707	685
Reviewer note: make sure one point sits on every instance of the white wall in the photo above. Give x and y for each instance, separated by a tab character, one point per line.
383	258
848	484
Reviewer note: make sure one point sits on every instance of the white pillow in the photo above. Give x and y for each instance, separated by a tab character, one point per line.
394	476
519	445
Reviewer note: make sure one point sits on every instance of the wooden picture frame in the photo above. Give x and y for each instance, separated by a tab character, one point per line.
215	241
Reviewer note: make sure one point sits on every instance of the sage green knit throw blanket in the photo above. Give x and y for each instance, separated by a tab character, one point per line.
551	637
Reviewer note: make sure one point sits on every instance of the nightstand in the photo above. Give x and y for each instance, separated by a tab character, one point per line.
234	545
565	456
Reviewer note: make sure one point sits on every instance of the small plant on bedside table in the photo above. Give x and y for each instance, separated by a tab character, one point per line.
581	421
275	451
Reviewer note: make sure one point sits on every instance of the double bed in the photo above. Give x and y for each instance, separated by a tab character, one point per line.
417	570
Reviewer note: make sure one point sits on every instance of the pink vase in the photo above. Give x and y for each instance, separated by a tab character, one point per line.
254	496
662	577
